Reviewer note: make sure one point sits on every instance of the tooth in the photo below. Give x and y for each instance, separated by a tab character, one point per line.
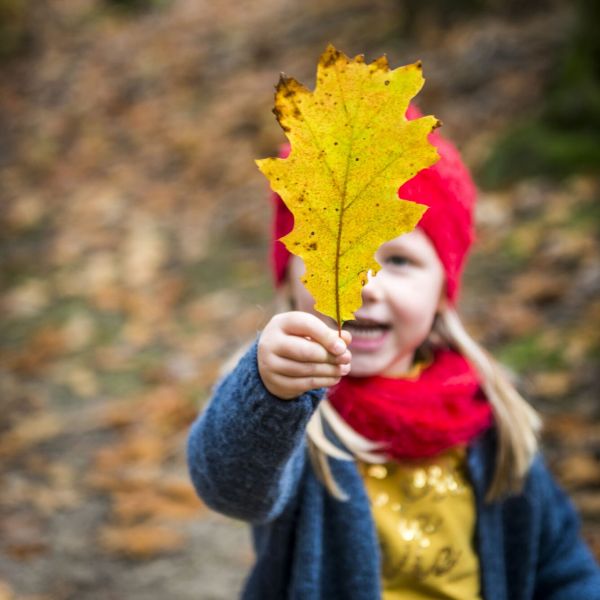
367	331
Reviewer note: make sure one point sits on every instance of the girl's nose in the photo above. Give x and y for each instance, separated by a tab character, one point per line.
372	291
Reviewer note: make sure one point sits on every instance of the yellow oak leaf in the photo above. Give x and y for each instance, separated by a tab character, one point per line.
351	149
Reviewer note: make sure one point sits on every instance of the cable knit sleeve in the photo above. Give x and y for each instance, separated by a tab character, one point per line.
566	568
246	451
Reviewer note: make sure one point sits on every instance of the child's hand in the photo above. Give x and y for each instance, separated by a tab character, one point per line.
290	364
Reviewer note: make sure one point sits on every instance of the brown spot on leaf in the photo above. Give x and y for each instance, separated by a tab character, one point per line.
330	56
381	64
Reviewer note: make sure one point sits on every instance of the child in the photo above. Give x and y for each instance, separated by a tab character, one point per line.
396	461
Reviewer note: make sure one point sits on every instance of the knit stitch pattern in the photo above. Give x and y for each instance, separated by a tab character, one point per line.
247	459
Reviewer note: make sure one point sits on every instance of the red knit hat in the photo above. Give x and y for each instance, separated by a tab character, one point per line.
446	187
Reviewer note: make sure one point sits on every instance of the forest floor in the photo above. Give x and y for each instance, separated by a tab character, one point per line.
135	230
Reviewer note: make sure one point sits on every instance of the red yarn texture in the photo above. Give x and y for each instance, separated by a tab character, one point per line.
448	190
444	406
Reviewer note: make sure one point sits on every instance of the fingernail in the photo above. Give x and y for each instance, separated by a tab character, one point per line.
339	346
345	369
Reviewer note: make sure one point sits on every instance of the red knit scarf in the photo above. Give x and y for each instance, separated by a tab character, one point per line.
442	407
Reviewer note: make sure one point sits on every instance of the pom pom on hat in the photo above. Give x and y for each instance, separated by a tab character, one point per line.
446	188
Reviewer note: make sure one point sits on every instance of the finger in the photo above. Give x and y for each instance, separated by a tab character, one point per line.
295	386
292	368
342	359
302	350
313	383
305	324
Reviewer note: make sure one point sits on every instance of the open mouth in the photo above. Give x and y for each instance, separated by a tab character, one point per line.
366	328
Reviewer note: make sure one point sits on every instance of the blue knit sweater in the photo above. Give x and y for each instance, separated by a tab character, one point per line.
247	458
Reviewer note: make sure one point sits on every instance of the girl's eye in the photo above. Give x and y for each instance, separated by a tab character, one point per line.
397	260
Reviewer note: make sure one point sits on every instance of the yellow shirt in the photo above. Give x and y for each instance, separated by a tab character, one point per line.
424	513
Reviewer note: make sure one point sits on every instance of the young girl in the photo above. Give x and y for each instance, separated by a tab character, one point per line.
395	461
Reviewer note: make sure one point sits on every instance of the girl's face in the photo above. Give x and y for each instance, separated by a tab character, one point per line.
399	305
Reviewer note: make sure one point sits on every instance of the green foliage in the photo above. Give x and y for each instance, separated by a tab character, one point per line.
530	353
135	5
445	14
540	148
587	216
564	138
13	30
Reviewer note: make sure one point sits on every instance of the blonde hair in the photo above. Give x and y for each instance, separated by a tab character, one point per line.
518	424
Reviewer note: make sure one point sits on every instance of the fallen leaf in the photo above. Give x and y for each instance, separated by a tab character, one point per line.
539	287
27	300
551	383
222	304
588	504
179	489
572	430
578	470
6	592
81	381
117	415
351	149
26	550
591	535
166	409
128	478
149	504
78	331
30	432
24	536
144	251
514	319
100	271
45	345
139	447
140	541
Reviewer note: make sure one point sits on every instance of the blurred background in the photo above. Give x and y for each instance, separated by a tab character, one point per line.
134	241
